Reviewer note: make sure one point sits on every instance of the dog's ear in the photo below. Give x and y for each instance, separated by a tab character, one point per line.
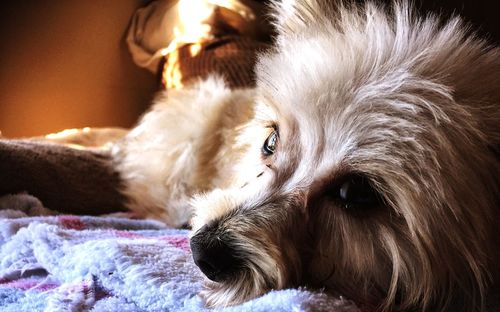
294	18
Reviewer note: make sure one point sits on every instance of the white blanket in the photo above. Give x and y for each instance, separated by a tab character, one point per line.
52	262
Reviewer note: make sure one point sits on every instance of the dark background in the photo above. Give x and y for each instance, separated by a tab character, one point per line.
483	15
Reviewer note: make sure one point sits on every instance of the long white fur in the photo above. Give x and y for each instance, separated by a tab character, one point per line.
411	103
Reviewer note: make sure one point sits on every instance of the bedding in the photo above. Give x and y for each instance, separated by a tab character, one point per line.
54	262
66	172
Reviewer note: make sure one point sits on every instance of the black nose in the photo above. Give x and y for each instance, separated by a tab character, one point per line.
213	256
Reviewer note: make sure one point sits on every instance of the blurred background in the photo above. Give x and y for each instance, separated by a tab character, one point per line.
65	64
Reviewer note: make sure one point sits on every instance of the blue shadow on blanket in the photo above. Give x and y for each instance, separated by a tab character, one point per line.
52	262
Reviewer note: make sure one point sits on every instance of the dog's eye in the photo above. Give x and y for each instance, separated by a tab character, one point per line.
357	192
269	146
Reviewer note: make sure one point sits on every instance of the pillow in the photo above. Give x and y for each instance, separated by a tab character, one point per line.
183	43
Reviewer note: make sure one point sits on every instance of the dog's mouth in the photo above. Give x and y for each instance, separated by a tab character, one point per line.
236	273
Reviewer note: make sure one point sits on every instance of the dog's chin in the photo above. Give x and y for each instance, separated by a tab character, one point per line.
259	273
218	295
250	283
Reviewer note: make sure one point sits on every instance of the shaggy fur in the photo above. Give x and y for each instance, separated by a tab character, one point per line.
410	104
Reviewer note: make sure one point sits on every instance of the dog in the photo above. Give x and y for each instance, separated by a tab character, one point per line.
365	162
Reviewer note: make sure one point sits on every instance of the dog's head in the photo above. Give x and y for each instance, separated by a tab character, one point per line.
371	166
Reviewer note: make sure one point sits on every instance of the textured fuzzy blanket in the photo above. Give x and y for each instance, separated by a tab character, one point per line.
51	262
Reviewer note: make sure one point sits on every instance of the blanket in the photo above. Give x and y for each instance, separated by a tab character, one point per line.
53	262
77	179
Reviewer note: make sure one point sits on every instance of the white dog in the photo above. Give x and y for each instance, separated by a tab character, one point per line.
365	162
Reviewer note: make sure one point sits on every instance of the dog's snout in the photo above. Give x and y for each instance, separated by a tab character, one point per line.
213	256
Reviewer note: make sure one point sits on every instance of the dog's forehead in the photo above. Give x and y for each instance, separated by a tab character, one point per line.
304	79
310	92
368	97
342	98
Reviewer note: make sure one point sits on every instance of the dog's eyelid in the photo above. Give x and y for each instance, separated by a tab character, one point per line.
272	125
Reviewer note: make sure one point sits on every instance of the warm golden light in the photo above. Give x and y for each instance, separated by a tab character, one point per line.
62	134
194	49
85	138
194	28
194	15
172	72
236	6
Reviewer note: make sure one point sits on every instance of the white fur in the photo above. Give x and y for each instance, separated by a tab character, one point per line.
157	157
409	104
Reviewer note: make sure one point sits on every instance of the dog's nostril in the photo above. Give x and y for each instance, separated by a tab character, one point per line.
206	267
214	258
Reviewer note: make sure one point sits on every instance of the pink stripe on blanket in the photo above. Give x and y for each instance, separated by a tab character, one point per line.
126	234
72	222
25	284
179	241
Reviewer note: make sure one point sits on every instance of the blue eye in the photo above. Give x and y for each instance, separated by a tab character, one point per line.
270	144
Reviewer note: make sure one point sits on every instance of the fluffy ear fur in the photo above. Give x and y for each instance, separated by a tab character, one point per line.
293	18
297	20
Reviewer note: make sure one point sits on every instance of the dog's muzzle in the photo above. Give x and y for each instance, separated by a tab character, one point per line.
215	258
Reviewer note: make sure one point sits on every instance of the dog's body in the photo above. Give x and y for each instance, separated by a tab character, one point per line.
365	161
